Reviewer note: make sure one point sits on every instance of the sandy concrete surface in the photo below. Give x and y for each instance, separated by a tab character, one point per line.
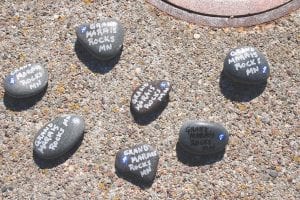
262	158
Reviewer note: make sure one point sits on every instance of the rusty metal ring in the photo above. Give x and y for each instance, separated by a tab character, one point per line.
227	13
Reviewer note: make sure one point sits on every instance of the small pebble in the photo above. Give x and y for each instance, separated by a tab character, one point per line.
273	173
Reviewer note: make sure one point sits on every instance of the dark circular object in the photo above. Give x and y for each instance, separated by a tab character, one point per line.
150	97
203	138
246	65
227	13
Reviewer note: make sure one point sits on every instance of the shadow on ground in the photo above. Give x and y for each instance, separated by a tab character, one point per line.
197	160
145	119
20	104
51	163
95	65
239	92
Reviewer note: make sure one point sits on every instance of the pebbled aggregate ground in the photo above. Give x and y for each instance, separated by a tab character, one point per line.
262	158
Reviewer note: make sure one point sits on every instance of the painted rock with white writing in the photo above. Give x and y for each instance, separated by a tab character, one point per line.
58	136
199	137
26	81
246	65
103	39
150	97
138	163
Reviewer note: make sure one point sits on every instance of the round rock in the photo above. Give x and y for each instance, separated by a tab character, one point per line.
58	136
199	137
103	39
138	163
26	81
150	97
246	65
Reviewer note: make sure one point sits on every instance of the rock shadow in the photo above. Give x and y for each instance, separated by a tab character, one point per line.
133	180
21	104
145	119
94	64
51	163
239	92
197	160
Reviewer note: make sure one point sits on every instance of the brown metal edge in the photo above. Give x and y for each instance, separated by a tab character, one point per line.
220	21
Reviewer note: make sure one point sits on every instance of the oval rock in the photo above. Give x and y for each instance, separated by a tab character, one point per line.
150	97
26	81
58	136
103	39
246	65
199	137
138	163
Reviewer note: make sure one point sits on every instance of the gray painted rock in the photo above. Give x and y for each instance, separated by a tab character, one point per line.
149	97
103	39
202	138
27	81
58	136
138	163
246	65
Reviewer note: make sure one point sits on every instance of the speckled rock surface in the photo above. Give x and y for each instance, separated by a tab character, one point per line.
262	157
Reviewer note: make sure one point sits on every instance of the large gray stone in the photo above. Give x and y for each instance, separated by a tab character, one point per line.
150	97
199	137
103	39
246	65
26	81
58	136
138	163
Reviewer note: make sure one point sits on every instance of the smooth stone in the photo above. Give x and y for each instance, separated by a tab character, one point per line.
103	39
246	65
138	163
150	97
26	81
58	136
199	137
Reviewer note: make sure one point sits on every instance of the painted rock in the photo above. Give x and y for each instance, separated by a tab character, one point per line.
26	81
202	138
58	136
138	163
150	97
103	39
246	65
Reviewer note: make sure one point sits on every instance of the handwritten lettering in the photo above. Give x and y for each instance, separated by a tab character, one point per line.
147	95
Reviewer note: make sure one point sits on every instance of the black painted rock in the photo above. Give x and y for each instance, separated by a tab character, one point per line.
103	39
150	97
58	136
27	81
138	163
203	138
246	65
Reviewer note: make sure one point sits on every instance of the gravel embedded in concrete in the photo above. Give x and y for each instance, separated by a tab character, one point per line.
264	132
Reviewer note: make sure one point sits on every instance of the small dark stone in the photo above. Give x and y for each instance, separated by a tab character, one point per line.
273	173
103	39
203	138
27	81
246	65
138	163
58	136
149	97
